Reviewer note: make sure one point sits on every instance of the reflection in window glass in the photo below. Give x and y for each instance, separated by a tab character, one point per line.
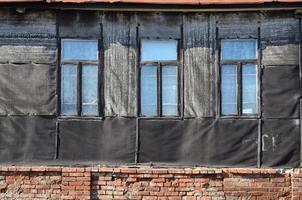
89	90
249	89
79	49
149	90
69	90
152	50
169	90
228	89
238	49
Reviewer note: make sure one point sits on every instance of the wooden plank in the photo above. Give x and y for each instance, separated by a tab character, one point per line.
120	58
31	24
28	37
279	27
159	25
199	84
287	54
26	53
279	39
237	25
79	24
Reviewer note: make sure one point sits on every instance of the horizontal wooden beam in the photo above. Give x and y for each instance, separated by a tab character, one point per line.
40	4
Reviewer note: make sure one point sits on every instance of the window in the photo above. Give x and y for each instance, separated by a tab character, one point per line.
238	72
159	78
79	77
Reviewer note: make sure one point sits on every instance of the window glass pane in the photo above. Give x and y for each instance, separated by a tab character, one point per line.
79	49
69	90
158	50
89	90
228	89
249	89
238	49
169	90
148	90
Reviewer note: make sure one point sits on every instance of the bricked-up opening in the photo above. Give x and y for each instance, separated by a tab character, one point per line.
148	183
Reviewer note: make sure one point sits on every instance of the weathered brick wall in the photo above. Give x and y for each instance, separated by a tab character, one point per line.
296	180
54	183
30	183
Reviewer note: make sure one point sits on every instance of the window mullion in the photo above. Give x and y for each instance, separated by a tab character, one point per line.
239	88
159	89
79	89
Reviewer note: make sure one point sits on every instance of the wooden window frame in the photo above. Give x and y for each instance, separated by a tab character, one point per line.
159	65
79	65
239	63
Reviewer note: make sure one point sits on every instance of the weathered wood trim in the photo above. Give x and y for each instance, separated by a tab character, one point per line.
181	76
58	66
259	141
158	8
138	73
101	68
218	72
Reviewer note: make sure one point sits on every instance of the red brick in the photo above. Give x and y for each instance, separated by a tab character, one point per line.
159	171
105	169
83	187
128	170
278	180
64	187
76	174
69	169
38	169
176	171
158	180
121	197
54	169
144	171
75	183
149	183
42	186
174	198
105	178
131	180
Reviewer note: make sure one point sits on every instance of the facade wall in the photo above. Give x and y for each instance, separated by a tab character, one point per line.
32	130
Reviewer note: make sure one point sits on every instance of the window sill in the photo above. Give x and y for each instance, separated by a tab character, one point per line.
80	118
161	118
240	117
